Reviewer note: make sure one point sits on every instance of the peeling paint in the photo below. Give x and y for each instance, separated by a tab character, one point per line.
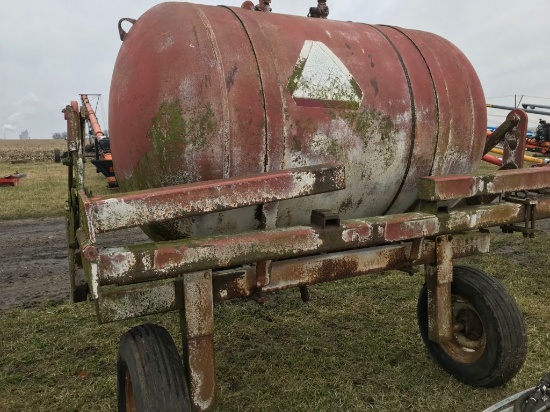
117	262
362	234
94	286
156	205
146	300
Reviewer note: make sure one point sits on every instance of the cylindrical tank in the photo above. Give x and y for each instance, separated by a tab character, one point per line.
201	93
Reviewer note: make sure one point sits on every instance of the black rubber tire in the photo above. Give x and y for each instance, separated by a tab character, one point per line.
504	341
57	156
150	372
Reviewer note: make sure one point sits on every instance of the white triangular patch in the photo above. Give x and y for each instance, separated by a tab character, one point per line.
320	78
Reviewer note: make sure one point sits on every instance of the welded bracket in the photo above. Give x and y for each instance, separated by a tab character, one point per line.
514	141
438	279
195	300
417	246
263	277
528	229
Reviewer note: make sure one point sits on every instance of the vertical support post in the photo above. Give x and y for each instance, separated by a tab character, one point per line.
438	280
195	300
268	221
75	167
263	273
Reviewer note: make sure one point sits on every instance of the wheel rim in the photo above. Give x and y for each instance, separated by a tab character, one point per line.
129	393
469	341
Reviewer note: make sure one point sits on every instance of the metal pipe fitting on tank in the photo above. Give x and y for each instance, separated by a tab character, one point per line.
320	11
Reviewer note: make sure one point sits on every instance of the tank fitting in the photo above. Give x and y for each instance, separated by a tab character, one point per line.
319	12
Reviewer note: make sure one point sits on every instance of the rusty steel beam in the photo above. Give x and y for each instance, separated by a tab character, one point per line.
195	301
342	265
132	301
125	302
439	276
139	263
167	259
441	188
73	122
174	202
311	270
75	145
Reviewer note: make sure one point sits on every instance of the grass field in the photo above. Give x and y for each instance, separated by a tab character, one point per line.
354	347
42	193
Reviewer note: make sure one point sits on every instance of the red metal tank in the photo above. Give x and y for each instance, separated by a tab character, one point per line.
201	93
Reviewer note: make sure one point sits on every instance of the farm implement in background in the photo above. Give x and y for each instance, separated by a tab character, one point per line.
12	179
98	149
516	122
339	167
103	160
539	141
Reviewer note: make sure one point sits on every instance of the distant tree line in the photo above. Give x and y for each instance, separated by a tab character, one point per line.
60	135
63	135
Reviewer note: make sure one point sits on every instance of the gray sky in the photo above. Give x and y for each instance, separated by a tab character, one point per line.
53	50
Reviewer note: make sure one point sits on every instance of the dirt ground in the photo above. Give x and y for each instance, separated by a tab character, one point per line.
33	261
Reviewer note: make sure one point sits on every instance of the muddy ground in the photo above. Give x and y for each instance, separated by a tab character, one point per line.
33	261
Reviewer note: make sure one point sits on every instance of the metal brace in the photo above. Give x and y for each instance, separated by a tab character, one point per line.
438	280
194	300
416	250
528	229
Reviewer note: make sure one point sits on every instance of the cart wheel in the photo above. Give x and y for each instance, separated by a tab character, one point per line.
490	342
150	373
57	156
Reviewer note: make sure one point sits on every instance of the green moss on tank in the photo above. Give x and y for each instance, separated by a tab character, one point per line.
172	134
296	75
367	123
356	88
335	149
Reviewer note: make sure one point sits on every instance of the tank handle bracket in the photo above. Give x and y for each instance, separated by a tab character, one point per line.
121	31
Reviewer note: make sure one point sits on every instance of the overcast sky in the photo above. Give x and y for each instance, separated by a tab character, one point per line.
51	51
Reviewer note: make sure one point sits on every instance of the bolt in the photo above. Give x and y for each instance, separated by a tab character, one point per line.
90	253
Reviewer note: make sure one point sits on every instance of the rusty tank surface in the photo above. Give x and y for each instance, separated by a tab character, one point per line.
274	152
201	93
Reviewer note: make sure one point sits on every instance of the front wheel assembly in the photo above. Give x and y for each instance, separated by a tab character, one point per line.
150	373
489	342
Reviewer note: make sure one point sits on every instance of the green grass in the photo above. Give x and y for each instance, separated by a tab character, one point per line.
43	192
354	347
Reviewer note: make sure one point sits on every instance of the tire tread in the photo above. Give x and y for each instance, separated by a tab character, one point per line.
510	342
158	376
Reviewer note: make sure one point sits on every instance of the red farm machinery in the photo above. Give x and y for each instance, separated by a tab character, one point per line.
262	152
539	141
98	149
